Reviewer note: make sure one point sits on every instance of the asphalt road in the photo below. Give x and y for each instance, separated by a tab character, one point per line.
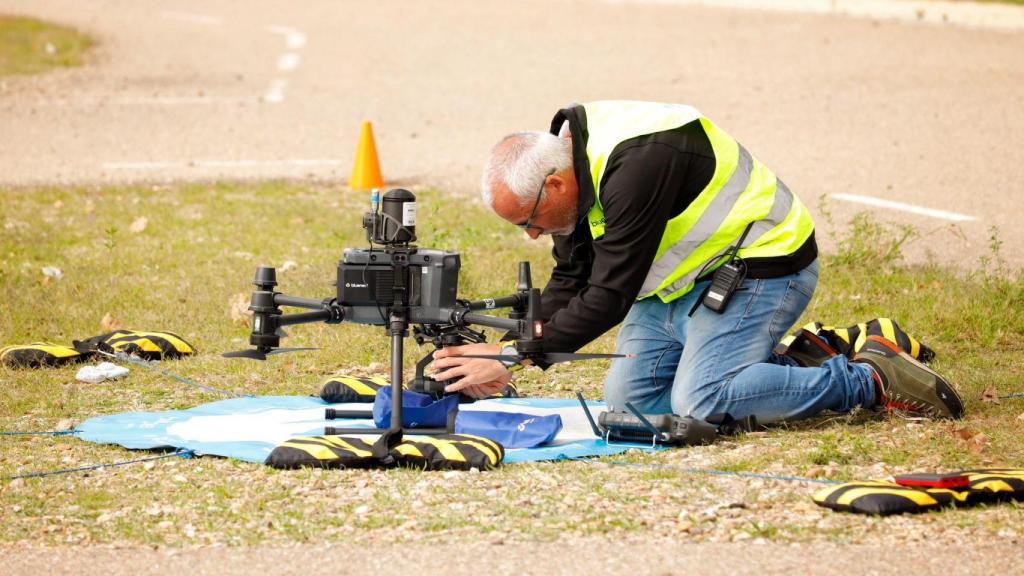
846	109
587	556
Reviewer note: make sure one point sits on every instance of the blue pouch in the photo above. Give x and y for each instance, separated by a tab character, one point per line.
418	410
510	429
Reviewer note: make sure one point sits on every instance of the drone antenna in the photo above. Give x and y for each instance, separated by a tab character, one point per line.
590	418
374	207
525	283
643	420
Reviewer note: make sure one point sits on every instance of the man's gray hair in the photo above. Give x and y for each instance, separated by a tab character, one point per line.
521	161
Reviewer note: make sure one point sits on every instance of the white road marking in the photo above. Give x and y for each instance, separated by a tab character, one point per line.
185	100
941	12
288	61
292	37
140	165
295	162
879	203
275	93
93	101
191	17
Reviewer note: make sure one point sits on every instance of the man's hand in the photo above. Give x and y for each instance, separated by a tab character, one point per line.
480	377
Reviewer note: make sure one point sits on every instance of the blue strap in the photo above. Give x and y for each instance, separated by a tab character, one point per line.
181	452
47	433
714	472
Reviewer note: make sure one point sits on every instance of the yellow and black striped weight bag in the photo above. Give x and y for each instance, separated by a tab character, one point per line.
39	354
882	498
145	345
443	452
850	340
341	389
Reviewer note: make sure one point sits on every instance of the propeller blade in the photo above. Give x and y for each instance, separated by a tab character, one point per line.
257	354
280	333
556	357
283	350
252	354
551	358
508	357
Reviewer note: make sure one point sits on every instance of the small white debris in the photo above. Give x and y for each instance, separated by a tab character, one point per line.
288	265
51	49
52	272
138	225
97	374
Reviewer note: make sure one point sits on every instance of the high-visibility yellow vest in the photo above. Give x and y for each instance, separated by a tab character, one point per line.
741	191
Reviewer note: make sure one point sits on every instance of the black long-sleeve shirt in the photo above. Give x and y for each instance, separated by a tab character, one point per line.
648	181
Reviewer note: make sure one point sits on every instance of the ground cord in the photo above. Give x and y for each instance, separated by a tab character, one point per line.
46	433
181	453
140	362
713	472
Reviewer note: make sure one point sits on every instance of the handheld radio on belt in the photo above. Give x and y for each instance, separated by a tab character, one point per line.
727	278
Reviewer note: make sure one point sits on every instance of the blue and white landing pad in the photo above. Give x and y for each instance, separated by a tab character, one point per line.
249	428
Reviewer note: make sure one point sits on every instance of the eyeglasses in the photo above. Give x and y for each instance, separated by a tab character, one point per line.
527	225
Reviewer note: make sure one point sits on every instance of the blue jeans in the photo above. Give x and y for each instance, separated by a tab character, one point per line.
712	363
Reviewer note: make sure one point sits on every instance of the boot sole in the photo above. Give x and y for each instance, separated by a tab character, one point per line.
944	390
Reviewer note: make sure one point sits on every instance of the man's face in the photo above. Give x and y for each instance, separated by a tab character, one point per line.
556	210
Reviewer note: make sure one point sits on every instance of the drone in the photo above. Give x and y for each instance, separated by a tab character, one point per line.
397	286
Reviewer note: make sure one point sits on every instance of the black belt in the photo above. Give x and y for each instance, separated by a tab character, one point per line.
776	266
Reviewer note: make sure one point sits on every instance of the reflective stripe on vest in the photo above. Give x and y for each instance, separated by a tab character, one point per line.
741	191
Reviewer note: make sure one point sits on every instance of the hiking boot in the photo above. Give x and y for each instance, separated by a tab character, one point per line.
906	384
806	348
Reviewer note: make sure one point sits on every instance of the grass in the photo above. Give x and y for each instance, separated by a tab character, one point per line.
197	252
28	46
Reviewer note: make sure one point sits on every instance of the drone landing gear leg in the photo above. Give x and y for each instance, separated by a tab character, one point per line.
398	332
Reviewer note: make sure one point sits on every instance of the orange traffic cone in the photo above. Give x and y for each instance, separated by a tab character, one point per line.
366	169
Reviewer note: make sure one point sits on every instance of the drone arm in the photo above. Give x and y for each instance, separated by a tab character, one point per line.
308	317
297	302
491	321
513	301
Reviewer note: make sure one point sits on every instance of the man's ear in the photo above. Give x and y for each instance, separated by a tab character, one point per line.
563	181
557	181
